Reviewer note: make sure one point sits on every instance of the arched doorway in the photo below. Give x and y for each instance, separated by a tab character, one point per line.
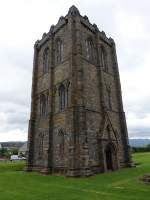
111	162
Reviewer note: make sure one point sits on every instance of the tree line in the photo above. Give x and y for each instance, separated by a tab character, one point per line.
5	153
141	149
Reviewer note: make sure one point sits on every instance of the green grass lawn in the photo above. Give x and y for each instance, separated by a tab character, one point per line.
121	185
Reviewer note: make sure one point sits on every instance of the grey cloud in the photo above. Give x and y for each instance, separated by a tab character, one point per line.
15	97
139	132
139	106
15	120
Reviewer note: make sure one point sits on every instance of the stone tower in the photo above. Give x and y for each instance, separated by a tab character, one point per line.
77	125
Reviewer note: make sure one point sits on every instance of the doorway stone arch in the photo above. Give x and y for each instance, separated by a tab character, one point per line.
110	157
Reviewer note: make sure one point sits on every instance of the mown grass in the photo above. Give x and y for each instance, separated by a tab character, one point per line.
7	166
125	184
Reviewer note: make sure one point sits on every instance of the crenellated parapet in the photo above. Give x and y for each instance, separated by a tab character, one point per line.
74	12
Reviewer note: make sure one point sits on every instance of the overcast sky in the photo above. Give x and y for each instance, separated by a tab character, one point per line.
22	22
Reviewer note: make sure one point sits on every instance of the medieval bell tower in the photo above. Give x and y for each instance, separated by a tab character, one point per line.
77	125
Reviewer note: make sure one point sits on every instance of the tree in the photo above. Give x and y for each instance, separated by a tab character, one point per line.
148	145
14	151
4	152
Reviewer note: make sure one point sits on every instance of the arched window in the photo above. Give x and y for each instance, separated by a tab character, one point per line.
63	92
61	142
89	49
67	94
62	96
103	59
43	105
41	141
46	60
59	51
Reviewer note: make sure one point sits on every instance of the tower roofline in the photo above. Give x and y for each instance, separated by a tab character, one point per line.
73	12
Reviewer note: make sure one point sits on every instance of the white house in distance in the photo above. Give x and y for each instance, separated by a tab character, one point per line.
23	149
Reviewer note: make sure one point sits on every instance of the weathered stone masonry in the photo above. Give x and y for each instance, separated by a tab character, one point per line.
77	125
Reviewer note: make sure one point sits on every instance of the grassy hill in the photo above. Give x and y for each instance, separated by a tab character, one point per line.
121	185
